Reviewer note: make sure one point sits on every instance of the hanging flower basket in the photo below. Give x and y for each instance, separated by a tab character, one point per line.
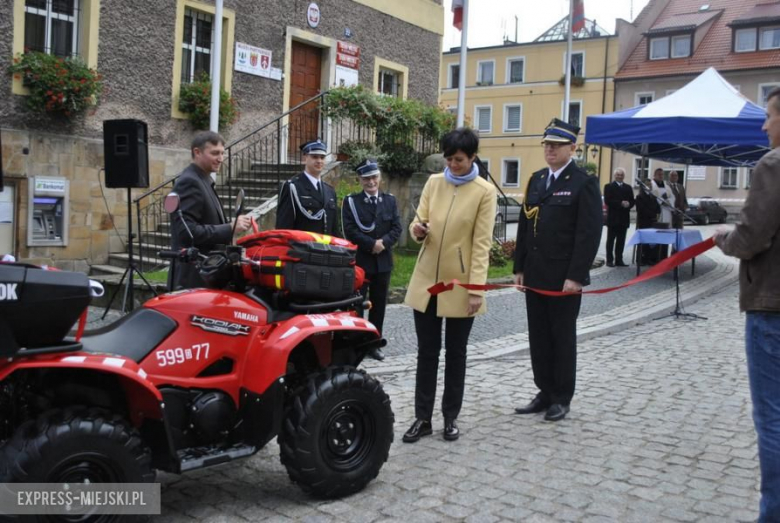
57	85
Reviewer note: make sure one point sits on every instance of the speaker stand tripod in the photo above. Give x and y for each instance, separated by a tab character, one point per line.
678	311
131	267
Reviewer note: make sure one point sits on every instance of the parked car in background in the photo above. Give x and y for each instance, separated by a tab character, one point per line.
508	210
703	211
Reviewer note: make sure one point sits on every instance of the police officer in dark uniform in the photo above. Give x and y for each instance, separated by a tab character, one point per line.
371	221
557	239
306	203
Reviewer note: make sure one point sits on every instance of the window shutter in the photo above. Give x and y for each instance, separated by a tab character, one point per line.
513	118
484	119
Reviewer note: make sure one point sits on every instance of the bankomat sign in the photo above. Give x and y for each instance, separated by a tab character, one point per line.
47	222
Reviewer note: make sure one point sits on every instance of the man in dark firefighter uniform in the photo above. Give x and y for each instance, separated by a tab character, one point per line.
557	239
372	222
306	203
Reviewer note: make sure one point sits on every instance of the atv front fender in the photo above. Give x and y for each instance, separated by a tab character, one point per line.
268	363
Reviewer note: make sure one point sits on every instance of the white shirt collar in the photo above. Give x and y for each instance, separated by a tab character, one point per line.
559	171
370	195
314	181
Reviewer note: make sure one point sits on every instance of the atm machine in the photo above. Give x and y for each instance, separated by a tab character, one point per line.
48	211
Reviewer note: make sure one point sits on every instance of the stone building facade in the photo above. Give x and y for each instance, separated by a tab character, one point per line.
141	49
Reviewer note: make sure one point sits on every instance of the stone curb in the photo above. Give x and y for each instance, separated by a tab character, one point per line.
658	306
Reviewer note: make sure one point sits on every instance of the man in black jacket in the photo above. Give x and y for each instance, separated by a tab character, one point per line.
557	239
371	221
619	198
201	209
306	203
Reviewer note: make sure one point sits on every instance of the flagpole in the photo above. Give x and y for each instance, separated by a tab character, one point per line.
462	70
216	69
567	91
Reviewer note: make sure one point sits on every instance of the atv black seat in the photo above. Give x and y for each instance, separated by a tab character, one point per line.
134	336
38	307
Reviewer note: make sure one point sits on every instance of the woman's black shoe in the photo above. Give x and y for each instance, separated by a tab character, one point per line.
451	431
418	429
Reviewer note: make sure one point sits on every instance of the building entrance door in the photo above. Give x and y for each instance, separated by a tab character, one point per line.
305	77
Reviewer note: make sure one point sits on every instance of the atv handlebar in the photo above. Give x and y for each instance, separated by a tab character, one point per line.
184	255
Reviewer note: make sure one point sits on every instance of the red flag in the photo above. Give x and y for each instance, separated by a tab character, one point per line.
578	17
457	14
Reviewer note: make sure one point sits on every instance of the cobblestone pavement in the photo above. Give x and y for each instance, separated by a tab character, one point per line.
660	430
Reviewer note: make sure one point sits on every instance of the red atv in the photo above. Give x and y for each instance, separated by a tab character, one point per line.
192	379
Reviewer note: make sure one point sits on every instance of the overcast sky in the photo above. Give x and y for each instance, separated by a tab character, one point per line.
490	20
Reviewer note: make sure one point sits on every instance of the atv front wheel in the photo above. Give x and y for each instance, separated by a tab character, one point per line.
337	432
76	446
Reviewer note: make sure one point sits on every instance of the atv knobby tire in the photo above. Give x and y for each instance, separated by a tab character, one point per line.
337	432
76	445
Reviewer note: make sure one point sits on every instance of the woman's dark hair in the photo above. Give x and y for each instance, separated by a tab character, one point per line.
462	139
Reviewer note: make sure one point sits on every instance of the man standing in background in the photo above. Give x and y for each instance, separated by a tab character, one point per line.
619	198
680	201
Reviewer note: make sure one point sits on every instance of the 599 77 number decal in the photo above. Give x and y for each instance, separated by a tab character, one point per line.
168	357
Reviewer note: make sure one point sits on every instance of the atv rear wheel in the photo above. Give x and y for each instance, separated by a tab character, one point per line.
337	432
77	446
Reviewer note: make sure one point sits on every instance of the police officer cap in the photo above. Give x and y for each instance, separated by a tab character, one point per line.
314	147
367	168
560	132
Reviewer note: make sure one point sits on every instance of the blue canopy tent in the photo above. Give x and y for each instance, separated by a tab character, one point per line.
707	122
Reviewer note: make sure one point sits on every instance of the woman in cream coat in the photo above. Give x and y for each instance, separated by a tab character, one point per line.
455	222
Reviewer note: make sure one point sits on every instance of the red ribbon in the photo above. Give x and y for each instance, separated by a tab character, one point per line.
666	265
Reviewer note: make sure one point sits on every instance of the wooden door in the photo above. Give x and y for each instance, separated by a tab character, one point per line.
305	77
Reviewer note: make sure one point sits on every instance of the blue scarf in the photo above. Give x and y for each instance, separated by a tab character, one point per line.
460	180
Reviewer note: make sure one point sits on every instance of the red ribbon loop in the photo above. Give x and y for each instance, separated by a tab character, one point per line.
666	265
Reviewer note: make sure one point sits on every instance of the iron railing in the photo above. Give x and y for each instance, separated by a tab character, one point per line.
262	160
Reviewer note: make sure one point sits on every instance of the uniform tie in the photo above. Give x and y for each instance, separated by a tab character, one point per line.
550	180
373	200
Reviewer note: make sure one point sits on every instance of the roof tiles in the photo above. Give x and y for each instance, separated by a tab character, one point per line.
715	49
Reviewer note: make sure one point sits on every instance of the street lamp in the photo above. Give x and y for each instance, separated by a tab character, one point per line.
578	153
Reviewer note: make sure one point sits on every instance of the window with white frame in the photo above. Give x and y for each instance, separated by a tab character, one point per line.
486	163
659	48
513	118
575	112
196	45
577	64
681	46
389	82
515	71
729	177
51	26
483	116
770	38
485	73
763	92
748	178
640	172
453	79
643	98
745	40
510	173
